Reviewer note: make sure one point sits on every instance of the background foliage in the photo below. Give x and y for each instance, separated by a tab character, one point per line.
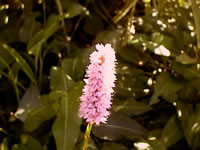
44	48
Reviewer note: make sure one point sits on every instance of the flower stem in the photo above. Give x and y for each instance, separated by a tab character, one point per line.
87	136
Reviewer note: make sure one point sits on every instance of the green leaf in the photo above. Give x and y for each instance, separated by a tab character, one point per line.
72	9
20	60
189	71
118	127
162	39
29	27
196	83
184	111
188	93
172	132
30	100
66	127
132	54
40	114
30	143
35	43
130	107
109	36
73	67
59	80
6	57
157	145
165	86
196	12
192	130
185	59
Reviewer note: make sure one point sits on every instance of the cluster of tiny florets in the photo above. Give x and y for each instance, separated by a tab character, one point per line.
100	78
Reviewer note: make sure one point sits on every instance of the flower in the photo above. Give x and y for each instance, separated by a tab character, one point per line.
100	78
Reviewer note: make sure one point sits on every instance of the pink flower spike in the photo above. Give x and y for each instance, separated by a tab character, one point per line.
100	78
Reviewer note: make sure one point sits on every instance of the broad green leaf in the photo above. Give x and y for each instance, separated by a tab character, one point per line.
29	27
189	71
192	129
165	86
72	9
35	43
157	145
131	81
40	114
20	60
30	143
156	133
172	132
59	80
118	127
113	146
196	83
29	101
130	107
132	54
185	59
109	36
162	39
66	127
184	111
188	93
73	67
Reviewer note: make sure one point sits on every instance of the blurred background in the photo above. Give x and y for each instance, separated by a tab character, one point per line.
44	50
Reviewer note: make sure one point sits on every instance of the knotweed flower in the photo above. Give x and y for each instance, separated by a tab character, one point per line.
100	78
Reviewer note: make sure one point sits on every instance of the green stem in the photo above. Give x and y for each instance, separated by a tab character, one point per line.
87	136
44	11
60	10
